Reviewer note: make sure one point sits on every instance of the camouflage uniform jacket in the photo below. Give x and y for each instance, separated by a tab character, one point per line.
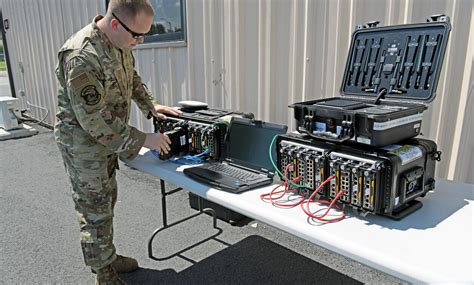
97	82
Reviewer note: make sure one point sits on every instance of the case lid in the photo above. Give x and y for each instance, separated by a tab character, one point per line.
398	63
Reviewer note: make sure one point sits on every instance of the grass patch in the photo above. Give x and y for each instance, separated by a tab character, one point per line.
3	65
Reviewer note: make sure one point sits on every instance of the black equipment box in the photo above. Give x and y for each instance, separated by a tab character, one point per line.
196	131
222	212
384	181
390	74
179	140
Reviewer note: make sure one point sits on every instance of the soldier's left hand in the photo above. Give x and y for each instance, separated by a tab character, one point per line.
160	111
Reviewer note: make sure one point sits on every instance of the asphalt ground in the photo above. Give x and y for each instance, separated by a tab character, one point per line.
39	233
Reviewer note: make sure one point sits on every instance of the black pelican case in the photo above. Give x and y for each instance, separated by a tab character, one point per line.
391	74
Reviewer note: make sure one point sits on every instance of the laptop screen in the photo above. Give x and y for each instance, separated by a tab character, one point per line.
248	142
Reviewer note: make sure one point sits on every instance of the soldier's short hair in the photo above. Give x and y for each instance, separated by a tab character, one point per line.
130	8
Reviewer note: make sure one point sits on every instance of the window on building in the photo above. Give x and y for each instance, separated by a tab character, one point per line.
168	23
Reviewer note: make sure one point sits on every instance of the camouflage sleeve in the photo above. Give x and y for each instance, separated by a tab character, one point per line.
142	96
86	93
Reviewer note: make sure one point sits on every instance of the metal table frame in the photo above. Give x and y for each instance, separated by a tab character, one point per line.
164	194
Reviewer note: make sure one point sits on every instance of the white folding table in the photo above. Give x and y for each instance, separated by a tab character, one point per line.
432	245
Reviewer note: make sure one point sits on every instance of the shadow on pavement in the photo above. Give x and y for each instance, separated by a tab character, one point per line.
253	260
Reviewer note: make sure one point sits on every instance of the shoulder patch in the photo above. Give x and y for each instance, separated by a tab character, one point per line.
81	80
70	65
90	95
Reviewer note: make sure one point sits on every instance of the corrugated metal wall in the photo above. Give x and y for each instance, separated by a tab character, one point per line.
37	29
260	56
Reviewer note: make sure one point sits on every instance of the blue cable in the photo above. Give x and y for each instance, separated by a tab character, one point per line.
187	159
155	153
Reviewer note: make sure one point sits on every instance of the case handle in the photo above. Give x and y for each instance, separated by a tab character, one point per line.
342	139
368	25
326	138
438	18
373	24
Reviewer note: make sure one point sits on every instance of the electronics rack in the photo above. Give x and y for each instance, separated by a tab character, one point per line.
198	136
309	162
196	131
378	181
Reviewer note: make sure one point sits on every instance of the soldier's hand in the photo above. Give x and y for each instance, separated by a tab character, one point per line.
159	142
160	111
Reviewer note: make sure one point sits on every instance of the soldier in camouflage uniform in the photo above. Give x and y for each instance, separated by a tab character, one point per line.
97	82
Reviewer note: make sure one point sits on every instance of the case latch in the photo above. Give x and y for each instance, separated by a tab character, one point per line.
438	18
373	24
437	155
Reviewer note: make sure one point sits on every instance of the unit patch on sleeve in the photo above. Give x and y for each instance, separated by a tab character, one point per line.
90	95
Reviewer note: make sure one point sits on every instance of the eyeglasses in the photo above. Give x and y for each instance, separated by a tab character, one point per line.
135	35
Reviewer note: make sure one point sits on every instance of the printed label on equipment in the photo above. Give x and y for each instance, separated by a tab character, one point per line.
355	188
407	153
397	122
320	127
392	147
182	140
363	140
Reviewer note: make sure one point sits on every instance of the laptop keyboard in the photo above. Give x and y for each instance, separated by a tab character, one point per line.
234	172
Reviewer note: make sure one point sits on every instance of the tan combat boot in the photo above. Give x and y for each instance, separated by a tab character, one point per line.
123	264
108	276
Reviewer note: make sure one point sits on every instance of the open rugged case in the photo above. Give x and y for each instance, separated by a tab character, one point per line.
391	74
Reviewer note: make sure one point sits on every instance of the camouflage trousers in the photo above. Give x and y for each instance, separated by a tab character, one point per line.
94	191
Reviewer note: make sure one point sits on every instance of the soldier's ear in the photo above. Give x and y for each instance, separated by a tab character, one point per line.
114	23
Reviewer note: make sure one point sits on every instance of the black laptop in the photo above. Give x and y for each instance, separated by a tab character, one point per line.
247	164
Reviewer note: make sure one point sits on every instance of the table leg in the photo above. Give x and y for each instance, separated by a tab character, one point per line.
166	225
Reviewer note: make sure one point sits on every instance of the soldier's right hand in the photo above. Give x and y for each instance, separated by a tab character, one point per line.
158	141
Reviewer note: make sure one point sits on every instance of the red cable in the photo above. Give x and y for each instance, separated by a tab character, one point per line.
331	204
284	183
271	196
263	196
274	200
